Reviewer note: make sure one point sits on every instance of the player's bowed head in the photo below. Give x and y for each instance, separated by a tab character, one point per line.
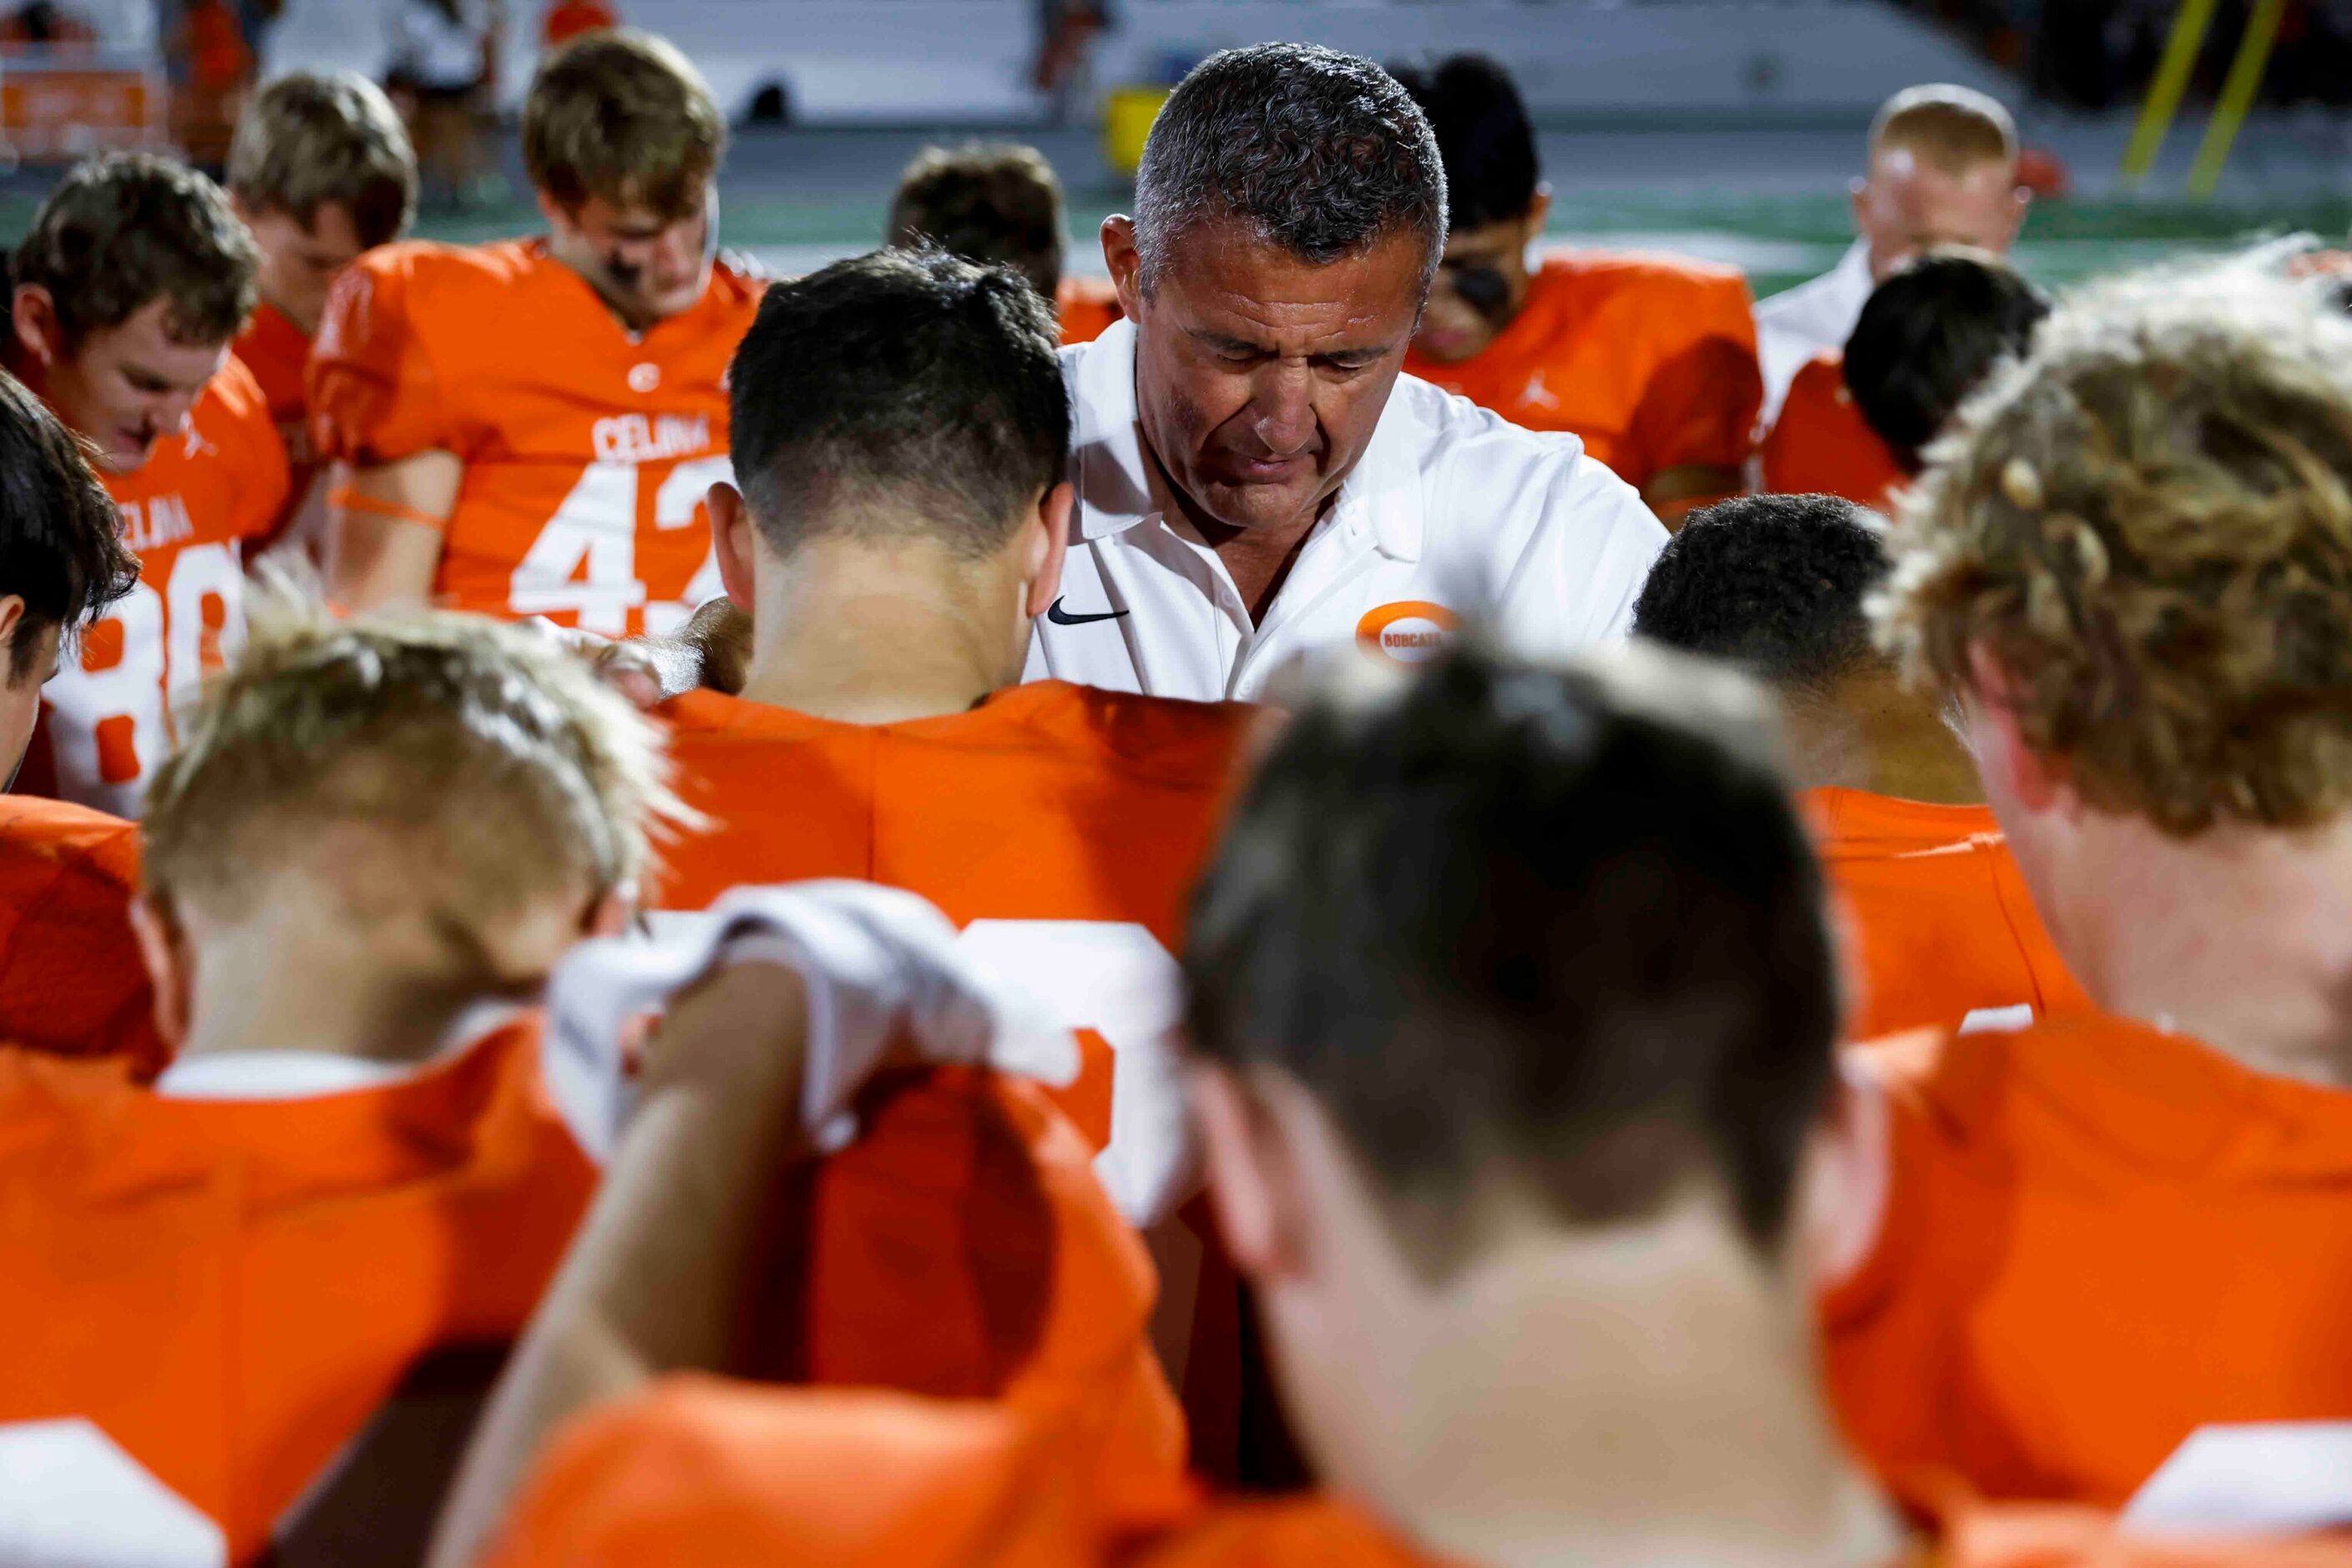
1514	1007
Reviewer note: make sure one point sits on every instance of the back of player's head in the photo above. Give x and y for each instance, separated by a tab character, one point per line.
1773	583
441	769
898	393
1946	126
1482	136
1551	932
310	139
1928	337
1320	153
2147	525
61	547
126	229
624	117
999	203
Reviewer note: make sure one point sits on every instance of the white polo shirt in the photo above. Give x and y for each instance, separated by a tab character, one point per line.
1451	514
1795	325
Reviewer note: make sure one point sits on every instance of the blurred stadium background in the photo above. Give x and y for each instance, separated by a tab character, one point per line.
1725	128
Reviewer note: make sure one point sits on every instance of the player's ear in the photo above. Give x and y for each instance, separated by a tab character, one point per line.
1251	1184
2020	200
2008	761
1126	263
1857	195
1539	212
733	545
554	213
1046	541
34	313
163	949
1844	1181
610	915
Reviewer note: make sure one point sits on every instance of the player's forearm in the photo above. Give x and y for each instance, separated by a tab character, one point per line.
660	1274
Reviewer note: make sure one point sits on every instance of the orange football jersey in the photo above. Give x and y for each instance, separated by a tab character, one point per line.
278	352
191	514
230	1289
962	1248
588	448
1087	306
704	1472
1062	826
2099	1237
1820	444
1938	922
71	980
1651	359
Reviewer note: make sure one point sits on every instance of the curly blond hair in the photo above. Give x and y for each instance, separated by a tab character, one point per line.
432	760
2148	526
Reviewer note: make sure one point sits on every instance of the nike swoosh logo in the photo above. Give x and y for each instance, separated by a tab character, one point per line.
1061	618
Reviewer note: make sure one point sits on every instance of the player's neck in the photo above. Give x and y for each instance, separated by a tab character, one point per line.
867	634
334	1000
1645	1395
2239	937
303	322
1873	735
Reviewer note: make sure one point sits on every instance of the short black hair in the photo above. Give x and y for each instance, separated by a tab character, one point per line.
1483	135
1929	336
122	230
896	386
1318	152
61	547
995	203
1564	920
1774	583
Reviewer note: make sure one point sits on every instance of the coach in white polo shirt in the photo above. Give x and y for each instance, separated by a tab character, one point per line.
1254	477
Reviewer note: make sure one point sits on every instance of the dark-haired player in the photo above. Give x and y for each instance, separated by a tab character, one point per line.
1856	420
71	980
1942	926
1651	360
129	290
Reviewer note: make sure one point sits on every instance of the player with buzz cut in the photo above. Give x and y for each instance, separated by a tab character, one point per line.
321	170
129	290
1000	204
528	427
1942	171
376	841
1650	360
1941	929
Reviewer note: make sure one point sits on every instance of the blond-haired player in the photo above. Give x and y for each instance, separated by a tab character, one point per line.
373	830
530	428
1942	170
321	171
2132	567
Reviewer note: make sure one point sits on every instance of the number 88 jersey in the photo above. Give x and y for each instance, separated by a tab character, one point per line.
587	448
208	494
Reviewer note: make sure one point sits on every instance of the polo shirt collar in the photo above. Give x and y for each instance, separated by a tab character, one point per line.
1115	474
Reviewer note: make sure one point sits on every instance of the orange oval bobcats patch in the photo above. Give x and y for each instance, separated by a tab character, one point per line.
1408	631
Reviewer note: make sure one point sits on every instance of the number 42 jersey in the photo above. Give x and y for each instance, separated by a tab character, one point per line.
588	448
